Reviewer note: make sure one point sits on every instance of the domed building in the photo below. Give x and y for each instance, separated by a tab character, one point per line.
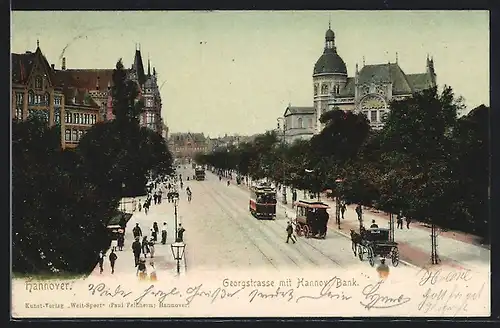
369	91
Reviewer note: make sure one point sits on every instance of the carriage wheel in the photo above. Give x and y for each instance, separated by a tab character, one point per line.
360	252
307	231
395	256
371	256
298	230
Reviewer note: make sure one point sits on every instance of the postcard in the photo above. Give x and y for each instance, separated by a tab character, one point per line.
250	164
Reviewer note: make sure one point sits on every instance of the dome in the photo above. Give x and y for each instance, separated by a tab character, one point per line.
330	62
329	35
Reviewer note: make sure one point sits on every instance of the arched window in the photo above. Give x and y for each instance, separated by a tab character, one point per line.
38	82
31	97
299	122
324	89
315	89
47	99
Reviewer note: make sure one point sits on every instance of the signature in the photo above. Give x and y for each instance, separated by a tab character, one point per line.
103	290
277	294
435	276
158	293
377	301
327	292
219	293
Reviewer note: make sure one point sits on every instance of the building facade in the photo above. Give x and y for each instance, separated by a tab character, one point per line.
185	146
35	91
369	91
299	124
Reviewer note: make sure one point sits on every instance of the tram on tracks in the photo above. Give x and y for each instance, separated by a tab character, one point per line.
262	202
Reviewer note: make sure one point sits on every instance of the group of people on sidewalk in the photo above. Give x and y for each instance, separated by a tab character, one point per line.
112	260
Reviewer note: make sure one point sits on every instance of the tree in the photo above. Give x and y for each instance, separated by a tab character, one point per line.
125	94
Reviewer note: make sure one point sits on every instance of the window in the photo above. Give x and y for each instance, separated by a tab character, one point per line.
75	118
299	121
310	122
19	113
67	118
93	119
324	89
74	136
67	135
57	116
315	89
38	82
80	134
373	115
85	118
57	101
31	97
150	118
47	99
38	99
19	98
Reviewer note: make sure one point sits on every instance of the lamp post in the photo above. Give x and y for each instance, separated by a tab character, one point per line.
178	249
123	200
175	198
337	201
283	159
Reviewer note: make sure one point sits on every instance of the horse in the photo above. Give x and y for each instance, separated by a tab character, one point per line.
355	240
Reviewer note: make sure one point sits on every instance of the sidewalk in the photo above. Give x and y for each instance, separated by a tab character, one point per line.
455	249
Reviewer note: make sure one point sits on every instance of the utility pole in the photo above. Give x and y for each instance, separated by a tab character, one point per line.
434	255
283	157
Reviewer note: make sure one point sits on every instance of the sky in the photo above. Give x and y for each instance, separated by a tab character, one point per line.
236	72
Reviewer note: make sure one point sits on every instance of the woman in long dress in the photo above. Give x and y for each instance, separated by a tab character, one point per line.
142	270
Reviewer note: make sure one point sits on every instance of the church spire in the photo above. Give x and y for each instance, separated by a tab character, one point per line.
149	67
38	43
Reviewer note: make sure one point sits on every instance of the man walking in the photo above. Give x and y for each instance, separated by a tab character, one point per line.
101	262
343	208
289	230
164	233
137	231
136	248
408	221
359	212
112	260
180	234
399	221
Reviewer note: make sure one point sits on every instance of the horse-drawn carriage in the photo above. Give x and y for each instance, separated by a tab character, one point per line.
311	219
374	242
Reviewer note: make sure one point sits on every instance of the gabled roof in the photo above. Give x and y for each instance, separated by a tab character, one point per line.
419	82
293	110
81	97
86	78
21	66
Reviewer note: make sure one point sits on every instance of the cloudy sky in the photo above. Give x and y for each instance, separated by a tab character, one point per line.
235	72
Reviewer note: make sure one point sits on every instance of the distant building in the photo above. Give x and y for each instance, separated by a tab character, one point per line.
369	91
299	124
185	146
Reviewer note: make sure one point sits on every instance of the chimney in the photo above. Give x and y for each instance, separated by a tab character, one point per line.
64	64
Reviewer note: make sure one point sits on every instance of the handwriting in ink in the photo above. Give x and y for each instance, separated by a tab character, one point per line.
377	301
327	292
102	290
219	293
159	294
437	276
287	295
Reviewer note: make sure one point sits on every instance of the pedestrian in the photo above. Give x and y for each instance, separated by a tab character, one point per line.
408	221
152	275
374	225
137	231
152	247
136	249
160	194
289	230
164	233
359	212
141	269
154	235
399	221
145	246
112	260
343	208
294	198
121	242
140	205
101	262
156	229
155	198
146	207
180	234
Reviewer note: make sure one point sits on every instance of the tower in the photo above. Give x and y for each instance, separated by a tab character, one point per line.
329	77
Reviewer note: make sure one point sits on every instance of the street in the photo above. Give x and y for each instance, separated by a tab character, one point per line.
221	233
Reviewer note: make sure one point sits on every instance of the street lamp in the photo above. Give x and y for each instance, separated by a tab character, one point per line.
123	200
178	249
337	201
283	159
175	197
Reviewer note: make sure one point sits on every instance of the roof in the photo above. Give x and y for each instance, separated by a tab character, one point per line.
90	79
348	90
391	72
312	204
81	97
21	66
330	62
178	136
292	110
139	67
